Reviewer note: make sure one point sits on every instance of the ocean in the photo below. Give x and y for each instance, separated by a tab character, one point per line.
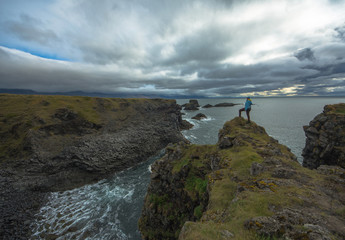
110	209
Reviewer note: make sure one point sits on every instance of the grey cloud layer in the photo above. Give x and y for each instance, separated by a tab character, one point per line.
27	29
177	47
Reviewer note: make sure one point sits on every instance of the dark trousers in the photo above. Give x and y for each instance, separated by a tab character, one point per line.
247	112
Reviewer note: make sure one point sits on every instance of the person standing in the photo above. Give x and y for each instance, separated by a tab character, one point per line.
247	107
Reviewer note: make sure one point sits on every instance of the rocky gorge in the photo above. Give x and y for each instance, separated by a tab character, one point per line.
54	143
248	186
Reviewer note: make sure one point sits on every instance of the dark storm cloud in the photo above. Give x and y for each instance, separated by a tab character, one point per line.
304	54
200	47
48	75
325	70
340	32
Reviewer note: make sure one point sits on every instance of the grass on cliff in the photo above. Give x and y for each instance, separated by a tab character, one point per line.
20	114
230	207
336	109
196	157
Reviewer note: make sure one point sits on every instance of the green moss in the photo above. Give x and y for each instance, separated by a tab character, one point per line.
222	193
198	212
336	109
180	164
196	184
216	231
158	200
242	160
196	155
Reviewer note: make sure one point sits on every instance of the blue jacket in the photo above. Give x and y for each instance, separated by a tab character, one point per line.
248	104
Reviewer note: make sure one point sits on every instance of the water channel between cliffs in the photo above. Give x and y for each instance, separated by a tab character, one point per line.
110	209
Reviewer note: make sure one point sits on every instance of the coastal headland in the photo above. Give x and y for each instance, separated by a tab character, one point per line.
247	186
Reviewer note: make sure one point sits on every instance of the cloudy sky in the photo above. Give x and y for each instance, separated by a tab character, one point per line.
174	47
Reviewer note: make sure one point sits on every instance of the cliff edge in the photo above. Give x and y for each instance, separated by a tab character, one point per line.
247	186
59	142
325	143
53	143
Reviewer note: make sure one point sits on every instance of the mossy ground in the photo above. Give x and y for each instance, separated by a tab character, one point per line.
338	109
228	206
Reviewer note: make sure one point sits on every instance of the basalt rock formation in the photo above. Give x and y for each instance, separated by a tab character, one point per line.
192	105
247	186
325	143
225	104
199	116
207	106
53	143
221	105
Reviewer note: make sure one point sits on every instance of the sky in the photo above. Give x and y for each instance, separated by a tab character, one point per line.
209	48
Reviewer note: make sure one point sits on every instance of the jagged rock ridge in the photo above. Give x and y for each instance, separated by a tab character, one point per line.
255	189
325	143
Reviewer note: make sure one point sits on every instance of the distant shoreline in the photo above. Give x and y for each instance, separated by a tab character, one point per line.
140	95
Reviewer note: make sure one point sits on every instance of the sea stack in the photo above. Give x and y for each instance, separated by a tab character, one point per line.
192	105
325	143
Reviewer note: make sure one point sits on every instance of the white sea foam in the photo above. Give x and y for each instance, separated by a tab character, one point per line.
74	214
108	209
207	119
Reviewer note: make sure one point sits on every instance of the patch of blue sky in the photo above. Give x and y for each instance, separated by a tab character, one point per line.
36	52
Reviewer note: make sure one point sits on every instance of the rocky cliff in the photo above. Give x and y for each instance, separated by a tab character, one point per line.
66	141
248	186
325	143
51	143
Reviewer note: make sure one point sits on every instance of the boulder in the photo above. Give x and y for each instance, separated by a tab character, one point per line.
225	104
207	106
192	105
199	116
185	125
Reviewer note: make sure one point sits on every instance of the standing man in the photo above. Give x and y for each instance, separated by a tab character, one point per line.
247	108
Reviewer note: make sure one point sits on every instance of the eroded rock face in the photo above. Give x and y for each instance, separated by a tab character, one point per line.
73	151
255	189
64	142
176	194
325	143
185	125
60	148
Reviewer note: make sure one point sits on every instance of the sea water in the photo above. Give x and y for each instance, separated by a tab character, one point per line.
283	118
110	209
